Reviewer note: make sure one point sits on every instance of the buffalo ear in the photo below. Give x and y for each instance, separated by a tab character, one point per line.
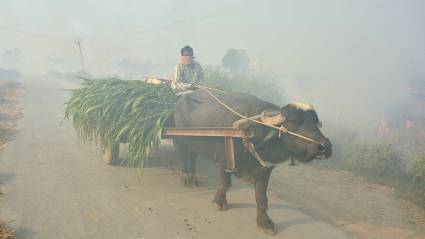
270	135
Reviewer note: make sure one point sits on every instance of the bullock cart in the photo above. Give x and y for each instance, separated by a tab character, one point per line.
228	134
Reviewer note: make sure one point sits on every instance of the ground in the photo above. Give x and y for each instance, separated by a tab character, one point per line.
57	187
9	114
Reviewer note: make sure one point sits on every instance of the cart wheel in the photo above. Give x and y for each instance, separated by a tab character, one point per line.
110	155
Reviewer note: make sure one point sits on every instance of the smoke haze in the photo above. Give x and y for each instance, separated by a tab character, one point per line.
352	59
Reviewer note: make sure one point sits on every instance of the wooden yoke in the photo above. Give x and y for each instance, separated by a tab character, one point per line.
229	150
239	130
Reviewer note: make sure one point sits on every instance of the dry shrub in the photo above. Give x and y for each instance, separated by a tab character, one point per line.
6	232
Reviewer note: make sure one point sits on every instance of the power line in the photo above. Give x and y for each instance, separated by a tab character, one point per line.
215	14
4	28
221	12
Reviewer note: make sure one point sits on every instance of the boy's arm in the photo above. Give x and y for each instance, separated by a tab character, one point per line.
177	83
200	77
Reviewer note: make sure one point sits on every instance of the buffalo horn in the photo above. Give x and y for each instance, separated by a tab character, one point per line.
272	117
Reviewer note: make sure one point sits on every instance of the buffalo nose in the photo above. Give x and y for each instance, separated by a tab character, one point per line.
321	148
325	147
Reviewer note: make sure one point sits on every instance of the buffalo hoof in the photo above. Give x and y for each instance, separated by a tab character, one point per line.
189	180
268	231
267	227
292	163
220	205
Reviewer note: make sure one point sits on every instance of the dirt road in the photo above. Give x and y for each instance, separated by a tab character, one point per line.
56	187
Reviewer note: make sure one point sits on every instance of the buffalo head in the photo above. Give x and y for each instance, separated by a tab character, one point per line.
301	119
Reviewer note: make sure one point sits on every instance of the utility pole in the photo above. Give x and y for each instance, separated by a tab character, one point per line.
78	41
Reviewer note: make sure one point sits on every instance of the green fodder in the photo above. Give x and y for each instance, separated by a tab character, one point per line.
112	110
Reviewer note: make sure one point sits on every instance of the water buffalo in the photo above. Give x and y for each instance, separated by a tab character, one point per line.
198	109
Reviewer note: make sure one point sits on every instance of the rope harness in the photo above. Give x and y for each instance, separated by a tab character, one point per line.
246	142
281	129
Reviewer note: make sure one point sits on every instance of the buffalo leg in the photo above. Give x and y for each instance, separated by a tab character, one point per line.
263	220
188	160
191	158
220	196
182	155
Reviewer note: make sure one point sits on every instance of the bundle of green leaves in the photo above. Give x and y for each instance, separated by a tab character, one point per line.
110	111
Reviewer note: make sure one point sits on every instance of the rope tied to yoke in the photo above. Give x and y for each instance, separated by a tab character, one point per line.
281	129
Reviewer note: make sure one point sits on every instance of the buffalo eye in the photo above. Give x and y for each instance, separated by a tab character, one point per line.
293	121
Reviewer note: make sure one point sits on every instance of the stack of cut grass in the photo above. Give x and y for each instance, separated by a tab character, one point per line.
110	111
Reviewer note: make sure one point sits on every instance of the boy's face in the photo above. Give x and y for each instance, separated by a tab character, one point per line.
187	58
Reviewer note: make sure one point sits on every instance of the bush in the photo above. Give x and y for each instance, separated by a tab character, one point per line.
379	162
417	168
5	134
416	186
261	84
372	159
3	100
9	74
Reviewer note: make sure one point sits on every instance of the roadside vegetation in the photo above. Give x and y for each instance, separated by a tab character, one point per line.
236	75
9	114
380	161
9	91
6	232
262	84
5	134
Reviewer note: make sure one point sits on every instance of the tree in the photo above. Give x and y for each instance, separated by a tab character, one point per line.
236	60
13	57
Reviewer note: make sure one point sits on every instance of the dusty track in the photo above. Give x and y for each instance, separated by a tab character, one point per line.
57	187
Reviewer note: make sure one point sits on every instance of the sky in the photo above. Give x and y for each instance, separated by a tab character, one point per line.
347	57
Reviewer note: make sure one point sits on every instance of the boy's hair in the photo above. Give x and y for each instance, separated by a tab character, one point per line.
186	49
